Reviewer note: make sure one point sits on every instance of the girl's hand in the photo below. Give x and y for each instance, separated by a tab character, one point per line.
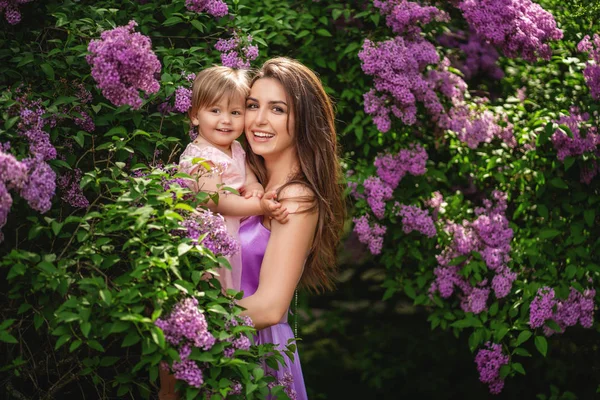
254	189
274	209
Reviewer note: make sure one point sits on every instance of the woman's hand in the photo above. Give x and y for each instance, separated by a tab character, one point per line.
272	208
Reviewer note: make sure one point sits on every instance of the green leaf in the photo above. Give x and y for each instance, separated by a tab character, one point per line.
75	345
589	216
558	183
198	25
85	328
80	138
549	233
172	21
158	336
183	248
48	70
519	368
542	345
6	324
323	32
7	337
131	339
523	337
62	340
94	344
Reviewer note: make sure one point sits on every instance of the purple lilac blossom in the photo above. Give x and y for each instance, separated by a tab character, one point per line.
404	17
372	236
13	175
541	308
392	168
287	381
398	69
591	72
578	144
578	307
518	27
478	125
41	185
489	360
235	53
217	239
589	171
216	8
187	325
377	193
85	121
490	235
71	190
183	99
416	219
123	63
11	11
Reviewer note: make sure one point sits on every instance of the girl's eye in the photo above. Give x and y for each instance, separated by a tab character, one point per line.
236	112
215	110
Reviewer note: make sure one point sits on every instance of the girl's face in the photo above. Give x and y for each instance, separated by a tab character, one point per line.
269	118
220	124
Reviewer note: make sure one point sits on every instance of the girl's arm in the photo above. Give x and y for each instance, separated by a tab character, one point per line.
283	263
251	188
228	203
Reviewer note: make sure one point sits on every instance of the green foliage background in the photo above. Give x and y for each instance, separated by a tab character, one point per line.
81	288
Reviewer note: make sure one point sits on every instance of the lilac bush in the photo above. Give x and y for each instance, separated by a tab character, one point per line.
518	27
10	9
123	63
216	8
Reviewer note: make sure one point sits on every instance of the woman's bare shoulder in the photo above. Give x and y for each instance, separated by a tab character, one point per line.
297	197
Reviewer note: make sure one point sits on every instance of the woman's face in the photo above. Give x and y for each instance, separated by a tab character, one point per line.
269	119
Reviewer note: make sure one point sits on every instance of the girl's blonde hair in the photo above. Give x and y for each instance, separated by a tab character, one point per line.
211	84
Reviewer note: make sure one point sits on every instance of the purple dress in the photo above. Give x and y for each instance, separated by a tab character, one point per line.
253	238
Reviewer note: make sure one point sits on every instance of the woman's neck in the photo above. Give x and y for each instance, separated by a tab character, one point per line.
280	169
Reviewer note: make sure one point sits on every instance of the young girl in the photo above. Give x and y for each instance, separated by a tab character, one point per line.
217	113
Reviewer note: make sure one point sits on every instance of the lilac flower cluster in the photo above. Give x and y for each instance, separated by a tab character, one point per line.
578	307
490	235
13	176
185	327
10	8
404	17
287	381
475	125
372	236
71	191
480	58
239	342
392	168
237	53
591	72
400	81
416	219
216	8
84	121
377	193
183	99
32	178
518	27
489	361
436	203
212	227
578	144
123	63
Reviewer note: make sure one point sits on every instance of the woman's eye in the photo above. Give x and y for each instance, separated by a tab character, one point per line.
278	109
252	105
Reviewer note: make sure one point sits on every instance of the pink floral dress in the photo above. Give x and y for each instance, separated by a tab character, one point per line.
233	174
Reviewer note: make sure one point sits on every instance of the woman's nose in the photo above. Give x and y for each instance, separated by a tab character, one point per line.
261	117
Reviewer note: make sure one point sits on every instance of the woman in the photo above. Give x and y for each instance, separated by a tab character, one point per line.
290	129
289	124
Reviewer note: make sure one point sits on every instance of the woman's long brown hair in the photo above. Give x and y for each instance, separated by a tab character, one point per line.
316	146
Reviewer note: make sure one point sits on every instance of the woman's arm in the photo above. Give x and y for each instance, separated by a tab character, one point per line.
282	265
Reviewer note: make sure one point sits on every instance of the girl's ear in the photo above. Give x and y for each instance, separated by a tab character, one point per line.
195	121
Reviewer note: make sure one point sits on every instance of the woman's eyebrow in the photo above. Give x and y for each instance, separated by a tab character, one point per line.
270	102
